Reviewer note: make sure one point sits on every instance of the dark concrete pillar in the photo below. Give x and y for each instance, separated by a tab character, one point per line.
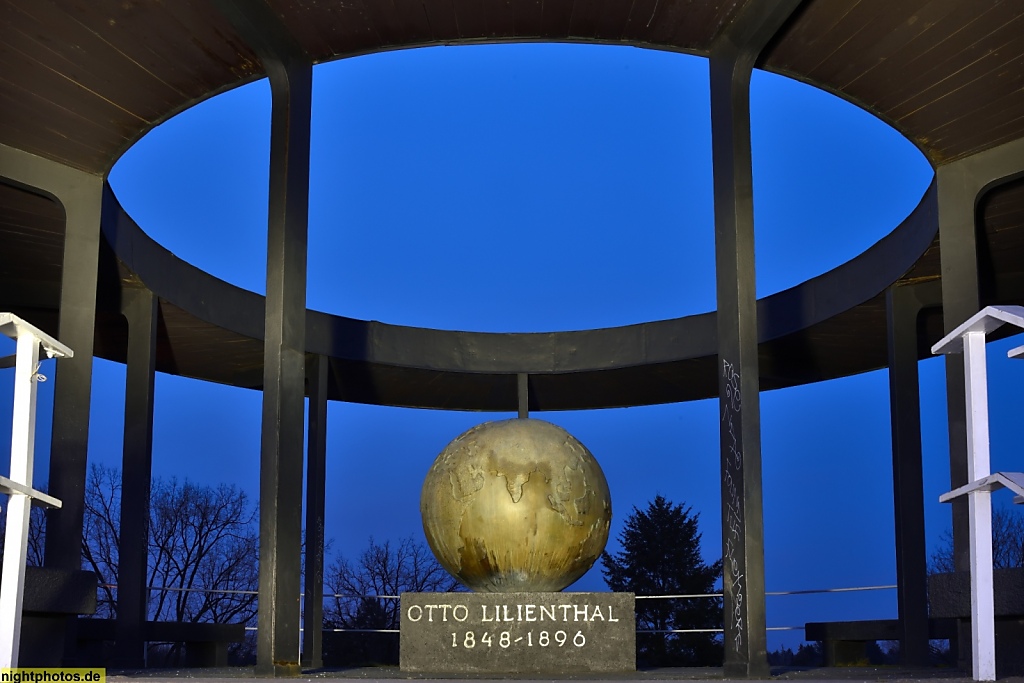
284	372
80	194
291	83
961	185
960	300
316	474
139	307
904	305
733	55
73	380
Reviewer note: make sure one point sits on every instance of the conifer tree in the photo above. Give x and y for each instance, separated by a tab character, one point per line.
661	556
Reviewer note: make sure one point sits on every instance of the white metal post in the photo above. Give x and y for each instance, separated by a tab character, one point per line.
983	634
19	485
969	339
23	434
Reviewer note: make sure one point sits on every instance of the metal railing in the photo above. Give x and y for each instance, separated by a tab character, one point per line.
681	596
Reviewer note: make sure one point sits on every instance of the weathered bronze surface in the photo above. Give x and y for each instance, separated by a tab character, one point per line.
516	506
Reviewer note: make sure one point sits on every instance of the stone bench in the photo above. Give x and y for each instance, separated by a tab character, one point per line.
52	599
843	643
950	597
205	644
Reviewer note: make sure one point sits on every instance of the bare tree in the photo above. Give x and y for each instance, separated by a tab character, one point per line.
100	534
382	569
203	553
36	531
203	558
1007	543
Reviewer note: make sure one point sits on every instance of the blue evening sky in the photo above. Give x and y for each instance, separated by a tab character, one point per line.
551	187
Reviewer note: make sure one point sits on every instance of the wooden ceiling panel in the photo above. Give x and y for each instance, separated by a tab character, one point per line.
502	19
79	81
188	44
441	19
1003	208
1002	215
36	125
898	51
639	20
398	22
32	236
328	30
940	70
105	72
529	17
556	18
192	348
689	26
600	19
50	40
472	18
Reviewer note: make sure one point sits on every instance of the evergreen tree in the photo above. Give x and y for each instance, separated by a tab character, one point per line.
661	556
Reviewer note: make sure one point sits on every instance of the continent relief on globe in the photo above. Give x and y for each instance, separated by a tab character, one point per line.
516	505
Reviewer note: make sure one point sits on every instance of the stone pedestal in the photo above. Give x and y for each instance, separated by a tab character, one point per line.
511	633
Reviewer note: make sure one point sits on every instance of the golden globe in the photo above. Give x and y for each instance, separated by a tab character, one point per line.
516	505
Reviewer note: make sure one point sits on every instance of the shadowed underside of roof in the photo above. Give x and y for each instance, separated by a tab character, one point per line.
81	82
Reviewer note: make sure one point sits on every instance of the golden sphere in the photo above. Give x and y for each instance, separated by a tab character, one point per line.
516	505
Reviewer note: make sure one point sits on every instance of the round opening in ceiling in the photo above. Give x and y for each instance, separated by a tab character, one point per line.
528	187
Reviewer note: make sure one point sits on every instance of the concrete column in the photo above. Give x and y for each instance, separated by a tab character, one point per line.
961	185
140	309
733	55
904	305
961	299
284	372
80	194
316	474
291	85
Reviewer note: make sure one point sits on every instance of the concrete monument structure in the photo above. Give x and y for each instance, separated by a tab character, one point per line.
517	510
85	81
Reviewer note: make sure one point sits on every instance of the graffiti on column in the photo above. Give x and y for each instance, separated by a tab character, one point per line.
732	473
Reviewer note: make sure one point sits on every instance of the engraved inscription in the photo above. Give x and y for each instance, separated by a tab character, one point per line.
732	474
518	632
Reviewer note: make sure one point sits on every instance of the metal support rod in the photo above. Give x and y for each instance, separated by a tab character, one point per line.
23	435
20	492
523	385
316	474
904	305
969	339
140	309
983	638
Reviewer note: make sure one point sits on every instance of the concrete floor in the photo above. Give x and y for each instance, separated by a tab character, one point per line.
387	674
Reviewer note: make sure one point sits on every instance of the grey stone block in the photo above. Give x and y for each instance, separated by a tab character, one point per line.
59	591
509	633
949	595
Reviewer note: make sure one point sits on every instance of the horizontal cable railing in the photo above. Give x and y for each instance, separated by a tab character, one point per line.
681	596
